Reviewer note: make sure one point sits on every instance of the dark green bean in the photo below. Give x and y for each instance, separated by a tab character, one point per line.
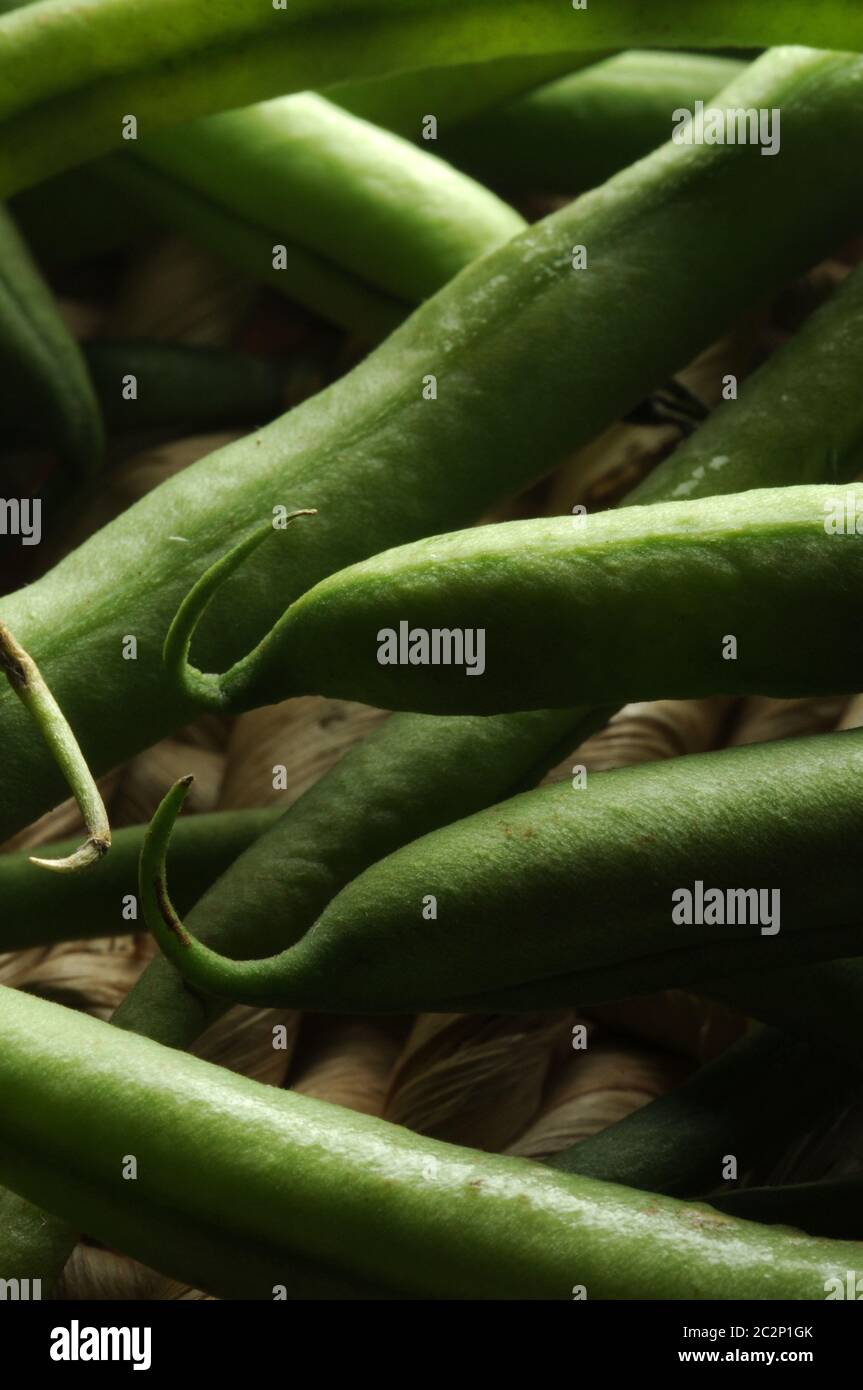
388	785
563	895
747	1102
822	1003
36	908
45	393
576	132
401	101
178	386
96	220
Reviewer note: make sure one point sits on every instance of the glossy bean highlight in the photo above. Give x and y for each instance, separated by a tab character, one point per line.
304	1195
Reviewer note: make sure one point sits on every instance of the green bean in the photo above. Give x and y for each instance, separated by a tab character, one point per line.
384	465
638	604
36	908
401	101
179	386
28	685
746	1102
295	173
45	394
332	294
84	65
576	132
292	1181
561	896
617	113
832	994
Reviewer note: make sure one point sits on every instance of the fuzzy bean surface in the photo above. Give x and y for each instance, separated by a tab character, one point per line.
299	1192
567	895
637	604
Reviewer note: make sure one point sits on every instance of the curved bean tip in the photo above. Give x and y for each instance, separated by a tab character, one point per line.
208	688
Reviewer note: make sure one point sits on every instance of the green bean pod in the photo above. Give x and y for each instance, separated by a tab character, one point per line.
87	63
575	132
96	219
676	600
748	1102
567	896
385	465
294	1183
454	94
370	225
821	1003
36	908
177	386
46	396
